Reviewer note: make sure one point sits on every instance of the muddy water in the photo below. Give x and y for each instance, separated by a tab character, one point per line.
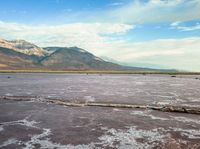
35	124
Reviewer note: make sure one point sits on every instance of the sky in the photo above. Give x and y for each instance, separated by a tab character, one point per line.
146	33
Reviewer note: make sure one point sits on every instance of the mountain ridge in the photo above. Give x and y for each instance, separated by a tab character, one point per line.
20	54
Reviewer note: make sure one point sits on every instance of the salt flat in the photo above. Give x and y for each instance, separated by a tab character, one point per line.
35	123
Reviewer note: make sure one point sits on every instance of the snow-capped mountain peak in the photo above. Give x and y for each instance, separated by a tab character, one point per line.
22	46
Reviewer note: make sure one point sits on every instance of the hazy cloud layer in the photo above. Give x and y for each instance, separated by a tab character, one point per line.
139	12
182	54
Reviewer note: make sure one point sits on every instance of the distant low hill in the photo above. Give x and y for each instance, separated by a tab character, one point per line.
20	54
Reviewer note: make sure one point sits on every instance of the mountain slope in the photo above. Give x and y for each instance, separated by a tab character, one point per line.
10	59
76	58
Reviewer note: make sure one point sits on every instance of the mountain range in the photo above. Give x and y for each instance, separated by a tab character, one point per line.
20	54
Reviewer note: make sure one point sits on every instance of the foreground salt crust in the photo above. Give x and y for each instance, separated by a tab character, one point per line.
125	139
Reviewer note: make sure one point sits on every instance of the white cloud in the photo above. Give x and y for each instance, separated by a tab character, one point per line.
187	28
173	24
155	11
85	35
179	26
116	4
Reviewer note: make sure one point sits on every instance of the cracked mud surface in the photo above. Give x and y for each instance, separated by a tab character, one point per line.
33	124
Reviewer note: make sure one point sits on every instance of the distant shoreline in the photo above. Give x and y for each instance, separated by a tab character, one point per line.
98	72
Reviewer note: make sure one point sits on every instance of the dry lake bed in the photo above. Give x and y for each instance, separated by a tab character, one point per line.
28	119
